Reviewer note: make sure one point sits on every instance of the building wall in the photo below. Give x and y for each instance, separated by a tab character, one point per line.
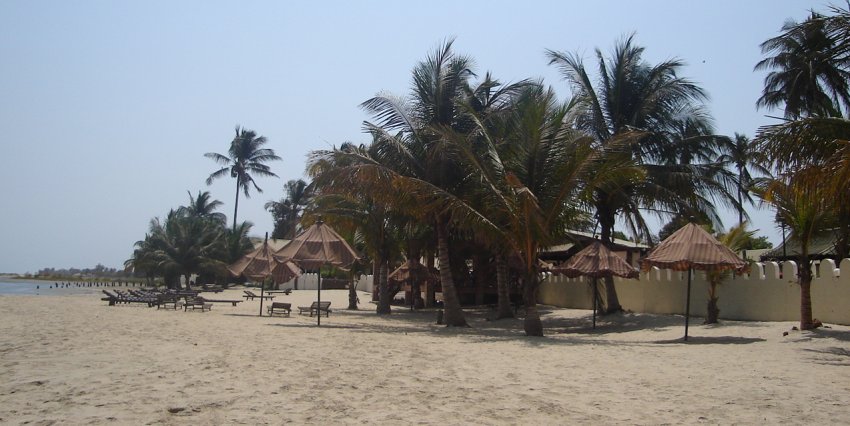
769	293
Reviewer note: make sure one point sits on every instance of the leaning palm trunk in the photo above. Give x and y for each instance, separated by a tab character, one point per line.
532	324
504	295
451	304
383	291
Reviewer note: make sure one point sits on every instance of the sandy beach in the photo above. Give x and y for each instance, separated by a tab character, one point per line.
75	360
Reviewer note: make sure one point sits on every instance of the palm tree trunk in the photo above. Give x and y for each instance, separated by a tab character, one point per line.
740	196
451	304
805	275
352	295
188	286
532	324
383	291
606	220
236	204
502	286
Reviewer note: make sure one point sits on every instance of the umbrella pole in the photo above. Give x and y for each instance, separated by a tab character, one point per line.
262	287
319	296
594	302
688	305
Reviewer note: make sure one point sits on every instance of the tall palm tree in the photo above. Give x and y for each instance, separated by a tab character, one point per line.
245	157
533	176
744	156
805	211
808	70
407	132
640	104
287	212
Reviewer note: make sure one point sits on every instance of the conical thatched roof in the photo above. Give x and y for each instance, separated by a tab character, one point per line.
317	246
262	263
692	247
596	261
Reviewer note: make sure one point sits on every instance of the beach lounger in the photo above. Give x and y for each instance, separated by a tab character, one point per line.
197	304
316	308
231	301
280	308
250	295
167	301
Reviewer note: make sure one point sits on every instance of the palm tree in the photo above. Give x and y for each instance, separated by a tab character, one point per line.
820	147
203	207
808	69
533	176
408	135
744	155
736	239
143	259
185	245
287	212
806	211
640	104
246	157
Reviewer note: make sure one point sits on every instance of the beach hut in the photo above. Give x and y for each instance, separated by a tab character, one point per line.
596	261
692	248
315	247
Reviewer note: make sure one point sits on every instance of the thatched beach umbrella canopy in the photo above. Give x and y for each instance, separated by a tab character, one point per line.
692	248
317	246
596	261
261	264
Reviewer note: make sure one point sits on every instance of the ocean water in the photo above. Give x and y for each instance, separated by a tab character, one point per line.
11	287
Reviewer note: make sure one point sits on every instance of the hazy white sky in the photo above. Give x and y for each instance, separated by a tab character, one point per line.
106	108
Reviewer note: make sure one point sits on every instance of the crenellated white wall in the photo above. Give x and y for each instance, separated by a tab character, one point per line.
769	293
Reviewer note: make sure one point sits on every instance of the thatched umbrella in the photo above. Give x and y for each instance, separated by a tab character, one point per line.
261	264
596	261
692	248
315	247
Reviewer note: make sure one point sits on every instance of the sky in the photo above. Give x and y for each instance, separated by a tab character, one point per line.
106	108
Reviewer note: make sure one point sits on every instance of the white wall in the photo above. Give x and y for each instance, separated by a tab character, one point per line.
761	295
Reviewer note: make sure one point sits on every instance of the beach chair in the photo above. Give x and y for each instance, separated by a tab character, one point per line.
316	308
195	304
280	308
231	301
111	298
250	295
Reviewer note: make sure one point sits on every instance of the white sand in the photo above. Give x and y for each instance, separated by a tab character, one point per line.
73	359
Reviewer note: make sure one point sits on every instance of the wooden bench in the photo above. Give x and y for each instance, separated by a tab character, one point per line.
280	308
317	308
